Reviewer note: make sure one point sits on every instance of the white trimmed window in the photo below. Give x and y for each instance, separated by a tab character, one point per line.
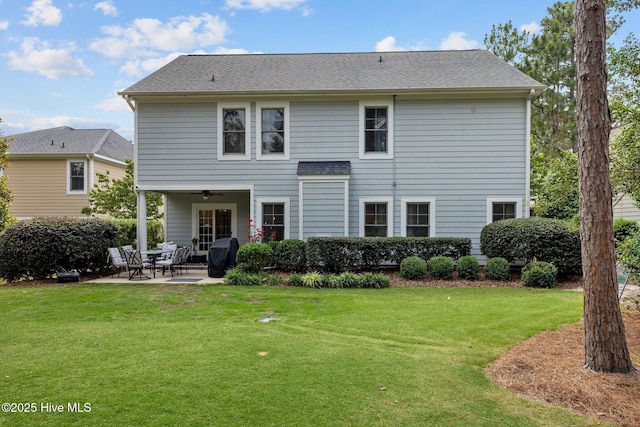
376	130
499	208
376	217
418	217
76	177
234	136
272	131
274	217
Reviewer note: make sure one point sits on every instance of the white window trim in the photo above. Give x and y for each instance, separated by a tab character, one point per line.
287	212
322	178
492	200
388	201
247	134
86	181
277	156
361	125
403	213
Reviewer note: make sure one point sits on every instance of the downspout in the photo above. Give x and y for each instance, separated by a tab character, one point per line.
393	163
527	180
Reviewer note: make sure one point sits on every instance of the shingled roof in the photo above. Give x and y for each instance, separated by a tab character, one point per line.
66	141
335	72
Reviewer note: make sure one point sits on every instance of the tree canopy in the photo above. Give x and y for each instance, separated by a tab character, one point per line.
5	194
116	198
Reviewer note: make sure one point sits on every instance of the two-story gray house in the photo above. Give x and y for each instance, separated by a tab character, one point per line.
342	144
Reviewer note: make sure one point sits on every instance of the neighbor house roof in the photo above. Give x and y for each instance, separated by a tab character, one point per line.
66	141
407	72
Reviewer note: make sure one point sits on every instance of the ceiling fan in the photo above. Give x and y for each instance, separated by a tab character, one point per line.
207	193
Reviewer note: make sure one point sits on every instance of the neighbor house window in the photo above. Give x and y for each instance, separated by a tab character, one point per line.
272	134
76	177
503	208
376	130
234	138
274	218
376	217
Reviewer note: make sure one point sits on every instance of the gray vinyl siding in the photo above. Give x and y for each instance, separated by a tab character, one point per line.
323	209
459	152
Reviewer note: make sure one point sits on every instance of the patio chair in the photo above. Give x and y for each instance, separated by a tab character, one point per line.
135	265
173	261
115	258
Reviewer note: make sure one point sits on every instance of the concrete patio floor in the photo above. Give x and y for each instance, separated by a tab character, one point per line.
196	276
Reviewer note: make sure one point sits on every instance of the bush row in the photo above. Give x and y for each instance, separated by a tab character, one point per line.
41	247
240	277
534	239
440	267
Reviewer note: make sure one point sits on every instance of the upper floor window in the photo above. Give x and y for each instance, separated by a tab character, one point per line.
76	174
234	138
272	131
503	208
376	130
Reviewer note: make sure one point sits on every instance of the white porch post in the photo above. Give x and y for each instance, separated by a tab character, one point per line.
142	221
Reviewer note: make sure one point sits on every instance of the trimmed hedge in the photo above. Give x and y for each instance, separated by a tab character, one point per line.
497	269
539	274
468	267
528	239
41	247
440	267
254	257
291	255
338	254
413	268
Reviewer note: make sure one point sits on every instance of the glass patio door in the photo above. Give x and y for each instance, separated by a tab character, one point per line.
213	223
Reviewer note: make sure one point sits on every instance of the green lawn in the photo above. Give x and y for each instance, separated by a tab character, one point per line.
158	355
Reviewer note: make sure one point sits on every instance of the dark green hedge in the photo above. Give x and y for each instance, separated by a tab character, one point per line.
529	239
42	247
338	254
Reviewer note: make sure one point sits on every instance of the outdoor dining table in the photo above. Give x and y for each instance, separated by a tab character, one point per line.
154	254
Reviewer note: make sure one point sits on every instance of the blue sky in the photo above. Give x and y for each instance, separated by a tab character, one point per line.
62	61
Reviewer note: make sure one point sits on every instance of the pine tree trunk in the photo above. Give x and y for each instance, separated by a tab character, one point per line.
605	343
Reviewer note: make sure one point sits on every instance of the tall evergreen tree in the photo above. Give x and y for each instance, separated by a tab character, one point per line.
5	194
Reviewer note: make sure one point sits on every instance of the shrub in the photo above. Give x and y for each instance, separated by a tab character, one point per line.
291	255
528	239
330	281
497	269
440	267
374	280
295	280
254	256
312	280
41	247
349	280
468	267
238	277
413	268
539	274
128	228
623	228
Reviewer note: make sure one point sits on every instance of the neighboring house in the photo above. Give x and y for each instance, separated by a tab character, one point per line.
346	144
51	171
623	205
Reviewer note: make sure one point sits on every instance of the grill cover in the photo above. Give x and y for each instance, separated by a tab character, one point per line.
222	256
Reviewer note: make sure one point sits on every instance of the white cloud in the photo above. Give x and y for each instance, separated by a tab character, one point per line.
145	36
138	67
263	5
306	11
42	12
74	122
531	28
113	102
107	8
388	44
38	56
4	25
457	41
